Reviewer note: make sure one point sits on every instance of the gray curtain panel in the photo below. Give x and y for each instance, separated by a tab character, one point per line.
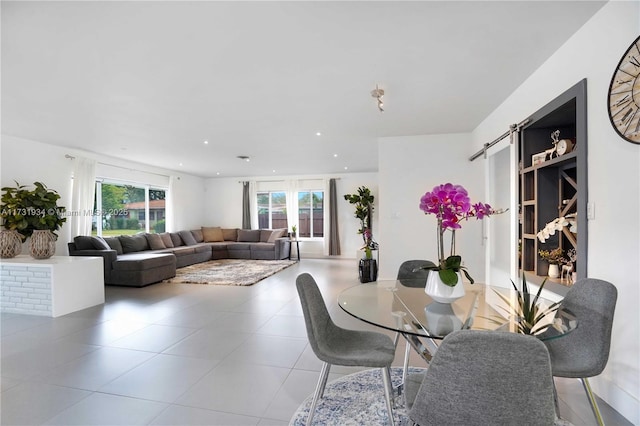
334	236
246	206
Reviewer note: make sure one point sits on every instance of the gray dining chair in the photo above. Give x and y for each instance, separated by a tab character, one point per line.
584	352
335	345
484	378
410	273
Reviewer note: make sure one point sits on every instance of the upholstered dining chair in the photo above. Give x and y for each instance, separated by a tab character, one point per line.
335	345
410	274
484	378
584	352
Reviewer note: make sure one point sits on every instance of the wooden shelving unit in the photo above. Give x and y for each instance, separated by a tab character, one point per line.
556	187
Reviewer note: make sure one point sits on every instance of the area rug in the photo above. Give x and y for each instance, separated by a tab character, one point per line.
229	271
356	399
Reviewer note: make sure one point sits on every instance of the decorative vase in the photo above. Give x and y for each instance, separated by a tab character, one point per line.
554	271
368	270
42	244
10	243
441	320
440	292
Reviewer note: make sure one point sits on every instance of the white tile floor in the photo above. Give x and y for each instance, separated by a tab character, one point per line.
180	354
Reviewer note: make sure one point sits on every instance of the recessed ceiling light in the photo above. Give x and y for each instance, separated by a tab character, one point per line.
206	142
180	164
345	167
218	173
335	155
318	134
273	171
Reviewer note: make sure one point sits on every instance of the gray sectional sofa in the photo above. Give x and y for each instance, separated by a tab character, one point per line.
142	259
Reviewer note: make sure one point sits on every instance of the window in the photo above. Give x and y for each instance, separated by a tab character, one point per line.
272	210
123	209
311	214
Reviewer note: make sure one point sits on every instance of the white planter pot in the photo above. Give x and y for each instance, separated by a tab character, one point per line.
440	292
554	271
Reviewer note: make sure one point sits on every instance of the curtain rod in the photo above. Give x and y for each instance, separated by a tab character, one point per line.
71	157
512	128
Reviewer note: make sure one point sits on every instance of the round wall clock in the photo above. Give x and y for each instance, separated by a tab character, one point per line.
624	95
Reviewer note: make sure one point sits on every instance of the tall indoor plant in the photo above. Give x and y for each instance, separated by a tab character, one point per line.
451	205
363	201
33	213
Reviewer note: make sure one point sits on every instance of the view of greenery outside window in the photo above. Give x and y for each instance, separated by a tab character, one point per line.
311	214
272	210
122	209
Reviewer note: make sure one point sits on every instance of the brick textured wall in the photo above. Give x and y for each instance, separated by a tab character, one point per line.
25	289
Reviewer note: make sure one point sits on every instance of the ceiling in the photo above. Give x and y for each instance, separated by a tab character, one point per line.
151	81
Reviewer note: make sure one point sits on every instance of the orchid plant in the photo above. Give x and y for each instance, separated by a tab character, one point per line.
451	205
556	225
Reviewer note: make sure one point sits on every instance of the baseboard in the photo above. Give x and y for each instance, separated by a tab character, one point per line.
620	400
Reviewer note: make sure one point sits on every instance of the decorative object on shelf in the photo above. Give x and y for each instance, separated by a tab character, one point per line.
42	244
10	243
530	313
561	146
27	211
539	158
555	258
623	100
558	224
363	201
451	205
569	268
378	94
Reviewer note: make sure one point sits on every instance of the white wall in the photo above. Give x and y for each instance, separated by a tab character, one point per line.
614	181
223	207
28	161
408	167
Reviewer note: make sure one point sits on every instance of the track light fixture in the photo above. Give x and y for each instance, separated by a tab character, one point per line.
378	94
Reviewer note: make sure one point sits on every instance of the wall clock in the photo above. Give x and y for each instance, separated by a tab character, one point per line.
624	95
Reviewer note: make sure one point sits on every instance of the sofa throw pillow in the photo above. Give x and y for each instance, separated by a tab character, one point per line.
265	234
230	234
99	243
166	239
187	237
249	235
133	243
83	242
197	235
277	233
155	242
114	243
176	239
212	234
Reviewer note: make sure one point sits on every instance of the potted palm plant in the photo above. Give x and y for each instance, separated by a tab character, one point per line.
363	201
33	213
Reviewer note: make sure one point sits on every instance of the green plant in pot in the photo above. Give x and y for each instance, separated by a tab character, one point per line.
363	201
31	211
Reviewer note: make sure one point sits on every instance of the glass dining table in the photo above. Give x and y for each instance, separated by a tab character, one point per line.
404	307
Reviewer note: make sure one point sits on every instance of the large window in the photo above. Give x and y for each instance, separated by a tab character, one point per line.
272	210
123	209
311	214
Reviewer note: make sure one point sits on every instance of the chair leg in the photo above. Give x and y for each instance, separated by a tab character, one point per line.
555	399
592	401
388	392
322	382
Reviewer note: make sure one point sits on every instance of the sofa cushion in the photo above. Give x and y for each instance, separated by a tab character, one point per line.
182	251
239	246
166	239
262	247
249	235
176	239
188	238
114	243
202	248
142	261
155	241
133	243
212	234
265	234
84	242
197	235
230	234
277	233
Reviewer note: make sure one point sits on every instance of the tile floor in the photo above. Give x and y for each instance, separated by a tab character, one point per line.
180	354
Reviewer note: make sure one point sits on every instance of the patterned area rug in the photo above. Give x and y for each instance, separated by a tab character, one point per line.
356	399
229	271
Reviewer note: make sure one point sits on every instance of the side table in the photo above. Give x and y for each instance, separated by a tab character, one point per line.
297	248
50	287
